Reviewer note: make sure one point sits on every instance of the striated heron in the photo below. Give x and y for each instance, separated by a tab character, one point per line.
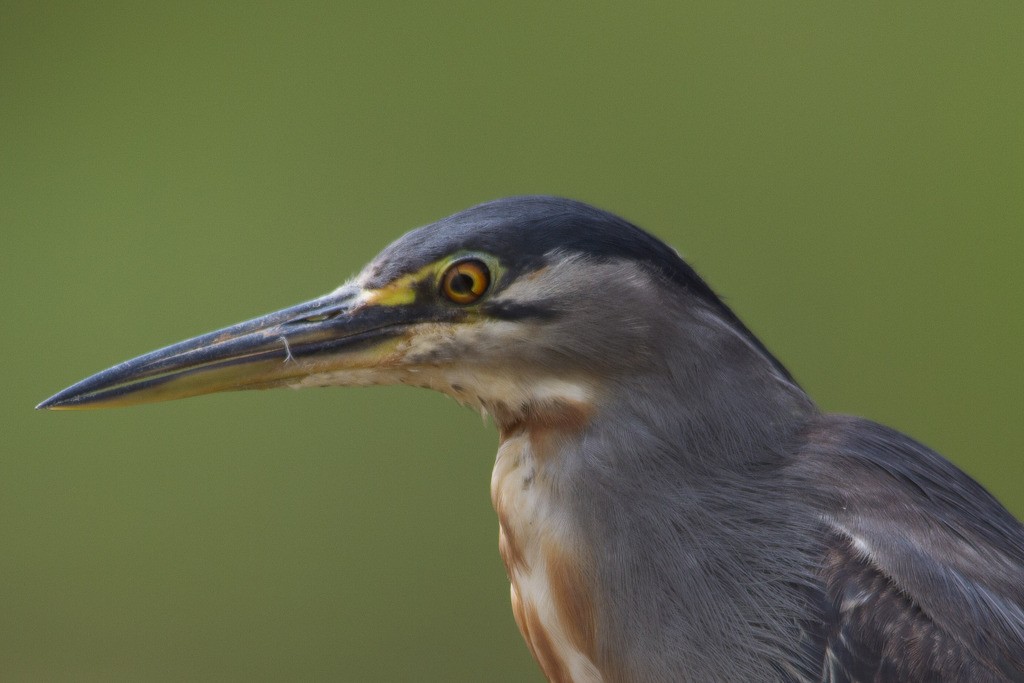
672	506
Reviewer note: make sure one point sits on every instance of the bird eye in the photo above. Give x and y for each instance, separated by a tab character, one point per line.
466	281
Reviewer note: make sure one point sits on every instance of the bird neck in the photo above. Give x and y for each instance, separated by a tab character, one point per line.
714	393
660	500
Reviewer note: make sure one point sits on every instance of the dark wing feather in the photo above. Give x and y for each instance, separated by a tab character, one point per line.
875	632
923	569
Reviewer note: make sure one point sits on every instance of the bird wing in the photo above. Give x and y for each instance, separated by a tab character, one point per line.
923	570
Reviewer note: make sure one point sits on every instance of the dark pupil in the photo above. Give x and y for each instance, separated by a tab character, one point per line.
462	284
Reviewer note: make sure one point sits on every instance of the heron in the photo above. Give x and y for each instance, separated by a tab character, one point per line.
671	504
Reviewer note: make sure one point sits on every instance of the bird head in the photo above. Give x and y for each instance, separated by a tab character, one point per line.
513	307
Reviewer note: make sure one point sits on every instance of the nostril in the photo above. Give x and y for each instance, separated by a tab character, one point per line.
316	318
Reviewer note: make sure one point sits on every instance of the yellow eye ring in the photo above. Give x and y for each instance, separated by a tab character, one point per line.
466	281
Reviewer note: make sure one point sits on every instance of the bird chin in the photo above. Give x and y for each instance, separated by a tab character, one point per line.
348	377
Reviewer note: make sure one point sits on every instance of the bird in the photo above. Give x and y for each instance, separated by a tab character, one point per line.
671	504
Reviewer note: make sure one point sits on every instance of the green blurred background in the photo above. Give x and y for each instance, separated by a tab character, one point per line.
850	177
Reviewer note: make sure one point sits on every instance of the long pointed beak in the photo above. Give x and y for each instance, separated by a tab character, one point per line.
313	343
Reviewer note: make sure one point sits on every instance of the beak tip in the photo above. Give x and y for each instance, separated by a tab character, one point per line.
50	403
62	400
